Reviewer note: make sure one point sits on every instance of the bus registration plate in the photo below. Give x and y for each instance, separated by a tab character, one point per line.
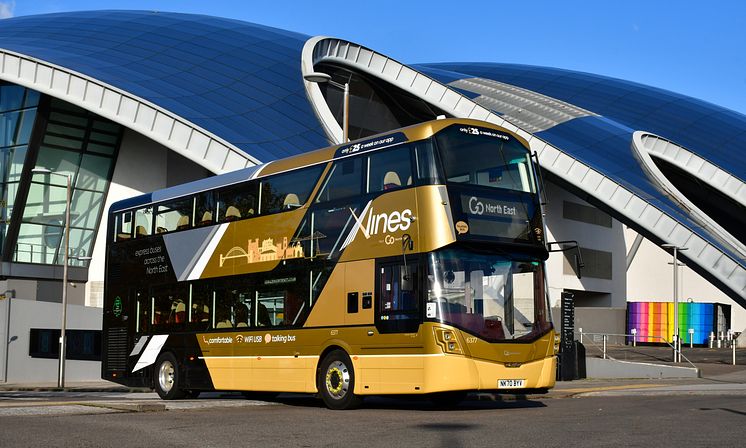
510	384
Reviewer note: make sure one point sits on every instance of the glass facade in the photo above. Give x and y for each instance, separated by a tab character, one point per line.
73	144
18	107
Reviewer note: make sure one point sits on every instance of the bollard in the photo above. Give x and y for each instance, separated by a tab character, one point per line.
604	346
581	334
634	337
691	337
733	344
674	345
712	339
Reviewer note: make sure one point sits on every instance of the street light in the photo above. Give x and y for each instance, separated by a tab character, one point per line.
320	78
63	325
7	295
677	337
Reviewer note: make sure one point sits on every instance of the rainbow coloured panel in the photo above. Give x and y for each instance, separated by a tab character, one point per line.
654	321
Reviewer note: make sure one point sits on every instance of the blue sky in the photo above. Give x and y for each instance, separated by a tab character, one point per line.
691	47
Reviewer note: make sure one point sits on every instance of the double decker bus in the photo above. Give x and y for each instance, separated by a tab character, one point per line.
411	262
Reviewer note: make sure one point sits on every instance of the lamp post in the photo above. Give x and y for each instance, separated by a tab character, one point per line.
63	325
320	78
676	335
7	295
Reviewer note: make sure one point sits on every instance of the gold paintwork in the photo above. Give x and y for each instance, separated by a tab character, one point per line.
228	257
301	160
434	217
383	363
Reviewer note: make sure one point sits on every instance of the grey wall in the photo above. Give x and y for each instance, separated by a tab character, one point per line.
596	320
592	232
27	314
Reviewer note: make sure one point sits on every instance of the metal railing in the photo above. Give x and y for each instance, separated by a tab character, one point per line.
41	254
626	337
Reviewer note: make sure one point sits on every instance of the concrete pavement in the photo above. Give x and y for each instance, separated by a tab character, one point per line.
717	378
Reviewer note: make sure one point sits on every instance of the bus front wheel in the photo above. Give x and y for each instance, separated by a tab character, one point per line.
336	381
166	379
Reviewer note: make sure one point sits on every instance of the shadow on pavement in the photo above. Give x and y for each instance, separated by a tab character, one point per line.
418	403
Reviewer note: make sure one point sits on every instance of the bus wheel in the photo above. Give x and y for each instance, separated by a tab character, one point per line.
336	382
167	377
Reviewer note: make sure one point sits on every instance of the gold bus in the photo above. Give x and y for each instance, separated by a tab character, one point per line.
411	262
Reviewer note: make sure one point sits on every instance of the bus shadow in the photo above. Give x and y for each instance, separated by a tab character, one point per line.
415	403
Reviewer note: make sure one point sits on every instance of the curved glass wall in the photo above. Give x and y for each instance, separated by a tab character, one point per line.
375	107
75	144
17	115
724	210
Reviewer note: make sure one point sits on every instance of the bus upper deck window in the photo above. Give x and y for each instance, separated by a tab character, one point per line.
143	222
234	203
390	169
427	162
204	209
486	158
290	190
343	180
176	215
123	229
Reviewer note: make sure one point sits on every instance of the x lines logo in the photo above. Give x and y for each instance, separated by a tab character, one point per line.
370	223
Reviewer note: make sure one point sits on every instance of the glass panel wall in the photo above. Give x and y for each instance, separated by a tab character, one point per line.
18	108
80	146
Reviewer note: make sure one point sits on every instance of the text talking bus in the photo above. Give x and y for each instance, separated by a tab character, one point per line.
411	262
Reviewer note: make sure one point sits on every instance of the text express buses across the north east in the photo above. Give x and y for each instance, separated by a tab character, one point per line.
408	263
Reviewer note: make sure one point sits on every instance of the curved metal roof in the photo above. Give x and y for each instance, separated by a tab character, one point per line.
715	133
602	138
237	80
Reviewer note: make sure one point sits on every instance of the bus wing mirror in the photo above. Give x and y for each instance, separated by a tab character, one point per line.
563	246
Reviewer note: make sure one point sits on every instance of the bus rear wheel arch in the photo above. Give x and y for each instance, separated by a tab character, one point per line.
336	381
166	377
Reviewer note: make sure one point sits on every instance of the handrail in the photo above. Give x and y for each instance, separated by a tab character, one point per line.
634	336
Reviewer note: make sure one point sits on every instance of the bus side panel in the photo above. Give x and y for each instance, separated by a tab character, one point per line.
435	219
347	297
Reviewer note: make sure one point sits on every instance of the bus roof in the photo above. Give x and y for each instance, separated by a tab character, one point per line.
372	143
176	191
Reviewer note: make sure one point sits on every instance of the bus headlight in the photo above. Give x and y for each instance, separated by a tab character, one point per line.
446	339
557	340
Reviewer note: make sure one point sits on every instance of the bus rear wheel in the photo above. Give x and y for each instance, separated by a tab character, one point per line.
166	379
336	381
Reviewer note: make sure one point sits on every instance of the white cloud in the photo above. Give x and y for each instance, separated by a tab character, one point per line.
6	9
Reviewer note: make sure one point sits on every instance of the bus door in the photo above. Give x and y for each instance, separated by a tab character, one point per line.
398	297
